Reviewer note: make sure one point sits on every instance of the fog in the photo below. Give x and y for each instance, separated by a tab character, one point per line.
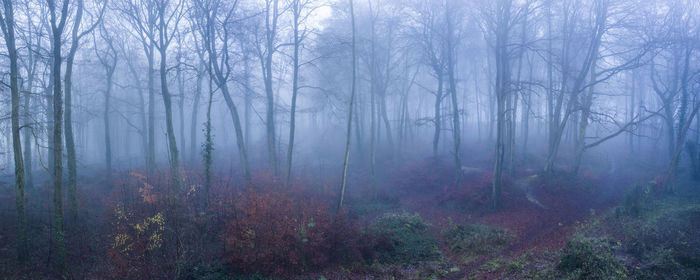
132	126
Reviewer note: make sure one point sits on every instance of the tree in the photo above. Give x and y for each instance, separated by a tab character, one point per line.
214	21
501	28
266	48
168	16
350	107
142	15
108	58
76	35
433	52
58	24
7	23
301	10
452	42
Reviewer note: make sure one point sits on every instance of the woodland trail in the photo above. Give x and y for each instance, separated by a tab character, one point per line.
540	221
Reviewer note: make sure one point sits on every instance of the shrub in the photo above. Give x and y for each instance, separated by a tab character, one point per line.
404	238
666	242
591	258
475	239
280	232
138	228
639	200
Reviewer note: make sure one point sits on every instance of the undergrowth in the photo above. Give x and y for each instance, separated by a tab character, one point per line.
475	239
404	238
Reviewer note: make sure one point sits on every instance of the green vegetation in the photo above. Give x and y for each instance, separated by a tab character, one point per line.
591	258
475	239
406	239
648	237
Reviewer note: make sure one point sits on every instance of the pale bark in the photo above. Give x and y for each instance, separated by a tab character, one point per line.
350	109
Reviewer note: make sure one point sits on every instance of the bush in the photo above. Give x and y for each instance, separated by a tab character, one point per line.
280	232
404	238
475	239
666	243
137	228
639	200
591	258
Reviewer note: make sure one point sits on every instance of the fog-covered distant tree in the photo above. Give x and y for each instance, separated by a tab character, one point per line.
301	11
142	16
432	42
215	19
267	45
108	57
452	41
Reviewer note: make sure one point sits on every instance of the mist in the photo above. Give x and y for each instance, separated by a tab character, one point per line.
342	139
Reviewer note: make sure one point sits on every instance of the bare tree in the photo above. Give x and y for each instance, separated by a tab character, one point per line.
215	19
59	16
7	23
301	11
76	35
346	159
266	49
108	58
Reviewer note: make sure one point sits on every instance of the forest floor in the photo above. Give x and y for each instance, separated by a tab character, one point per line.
525	239
540	214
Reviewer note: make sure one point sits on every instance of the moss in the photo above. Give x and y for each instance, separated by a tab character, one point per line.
475	239
591	258
404	238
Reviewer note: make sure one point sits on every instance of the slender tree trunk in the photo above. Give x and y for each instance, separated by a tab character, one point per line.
151	157
502	86
195	111
8	28
438	114
172	143
142	111
57	176
271	33
583	125
208	146
29	125
295	89
451	60
352	100
181	101
105	117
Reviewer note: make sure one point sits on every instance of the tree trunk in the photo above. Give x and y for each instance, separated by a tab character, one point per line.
181	101
208	147
105	117
438	114
295	89
172	143
195	111
451	60
57	175
151	157
8	28
352	100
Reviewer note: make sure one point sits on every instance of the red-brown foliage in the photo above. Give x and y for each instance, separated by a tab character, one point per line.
278	231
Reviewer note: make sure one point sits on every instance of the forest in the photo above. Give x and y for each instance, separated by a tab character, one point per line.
350	139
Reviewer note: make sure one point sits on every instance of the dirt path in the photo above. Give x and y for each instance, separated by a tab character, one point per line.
541	220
